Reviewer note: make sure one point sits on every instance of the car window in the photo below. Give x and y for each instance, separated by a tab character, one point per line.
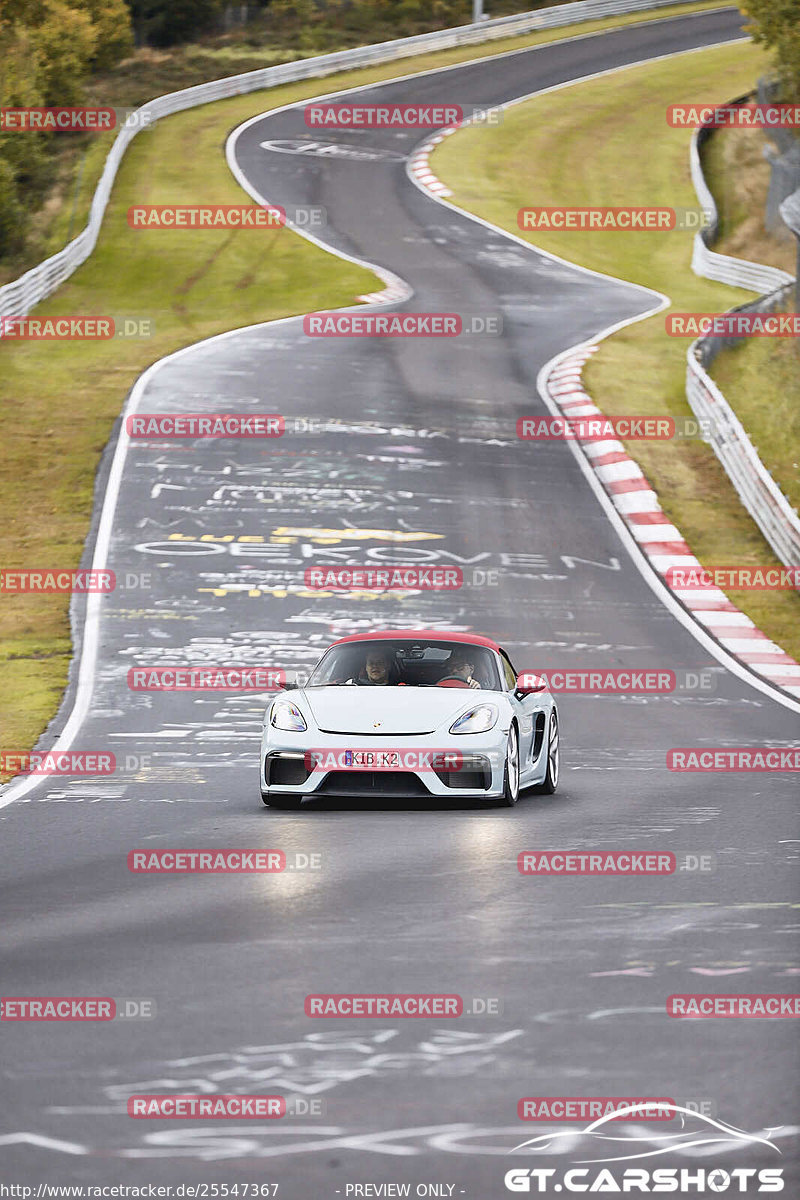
508	671
422	663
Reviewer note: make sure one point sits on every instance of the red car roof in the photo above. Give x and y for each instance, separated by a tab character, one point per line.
434	635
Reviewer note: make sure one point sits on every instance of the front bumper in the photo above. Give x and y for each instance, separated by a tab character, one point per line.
474	769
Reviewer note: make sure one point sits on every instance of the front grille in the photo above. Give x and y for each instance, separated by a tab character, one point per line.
371	783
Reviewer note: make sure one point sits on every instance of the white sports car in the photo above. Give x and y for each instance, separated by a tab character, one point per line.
387	715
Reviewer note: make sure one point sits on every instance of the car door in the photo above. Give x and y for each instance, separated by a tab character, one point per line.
526	709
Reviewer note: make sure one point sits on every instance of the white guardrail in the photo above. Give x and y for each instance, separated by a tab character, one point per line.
19	297
756	488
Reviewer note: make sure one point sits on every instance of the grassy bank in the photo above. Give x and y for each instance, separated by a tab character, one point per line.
607	142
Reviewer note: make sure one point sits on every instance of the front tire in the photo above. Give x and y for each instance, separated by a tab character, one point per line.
511	772
550	781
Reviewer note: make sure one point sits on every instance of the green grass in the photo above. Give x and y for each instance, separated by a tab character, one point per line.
607	142
760	379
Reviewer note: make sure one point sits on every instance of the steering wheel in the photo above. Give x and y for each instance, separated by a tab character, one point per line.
452	681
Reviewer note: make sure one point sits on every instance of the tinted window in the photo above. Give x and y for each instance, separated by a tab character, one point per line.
415	664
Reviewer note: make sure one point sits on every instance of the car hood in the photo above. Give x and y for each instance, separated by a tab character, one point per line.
398	709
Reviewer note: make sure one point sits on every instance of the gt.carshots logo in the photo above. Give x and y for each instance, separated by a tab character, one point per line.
683	1180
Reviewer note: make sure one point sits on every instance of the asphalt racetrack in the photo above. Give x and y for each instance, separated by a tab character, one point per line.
422	466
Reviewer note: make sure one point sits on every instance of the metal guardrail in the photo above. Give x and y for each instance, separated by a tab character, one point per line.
722	268
757	490
19	296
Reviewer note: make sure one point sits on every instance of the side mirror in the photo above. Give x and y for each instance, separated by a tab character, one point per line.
530	684
293	679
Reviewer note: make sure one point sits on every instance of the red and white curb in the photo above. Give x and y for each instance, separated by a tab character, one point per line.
393	294
419	168
658	539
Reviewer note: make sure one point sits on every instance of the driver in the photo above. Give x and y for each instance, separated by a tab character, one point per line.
376	670
460	666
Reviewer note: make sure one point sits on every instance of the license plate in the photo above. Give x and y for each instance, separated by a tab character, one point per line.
377	760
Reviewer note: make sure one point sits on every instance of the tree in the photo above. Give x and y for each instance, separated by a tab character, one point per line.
776	25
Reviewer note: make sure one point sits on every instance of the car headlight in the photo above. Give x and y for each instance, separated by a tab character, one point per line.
475	720
286	715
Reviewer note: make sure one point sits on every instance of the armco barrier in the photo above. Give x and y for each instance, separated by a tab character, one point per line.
738	272
19	297
754	485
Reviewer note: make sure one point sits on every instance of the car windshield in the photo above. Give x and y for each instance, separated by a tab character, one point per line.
421	663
